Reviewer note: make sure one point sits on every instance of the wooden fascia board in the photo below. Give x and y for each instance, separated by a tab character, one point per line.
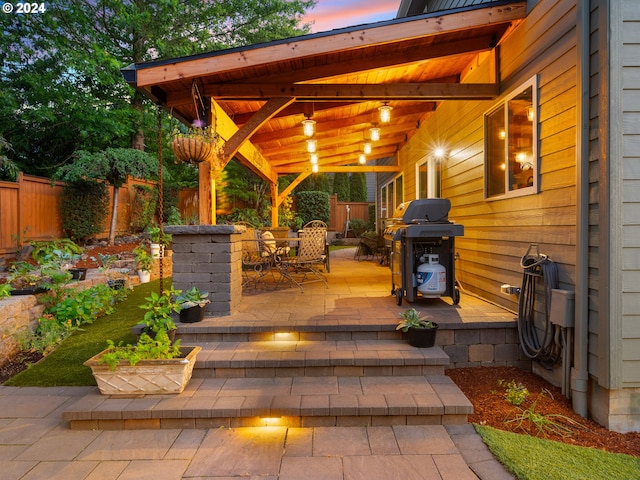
362	92
303	47
243	134
248	154
340	169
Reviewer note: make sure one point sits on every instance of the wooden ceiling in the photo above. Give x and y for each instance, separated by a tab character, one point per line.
261	93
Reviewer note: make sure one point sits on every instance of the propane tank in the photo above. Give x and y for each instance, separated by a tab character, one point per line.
431	276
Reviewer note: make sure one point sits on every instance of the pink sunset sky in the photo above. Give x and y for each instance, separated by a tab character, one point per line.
330	14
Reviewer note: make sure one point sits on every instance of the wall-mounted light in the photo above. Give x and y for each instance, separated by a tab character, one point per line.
439	153
362	159
366	148
313	158
502	134
374	134
314	168
308	127
312	145
385	113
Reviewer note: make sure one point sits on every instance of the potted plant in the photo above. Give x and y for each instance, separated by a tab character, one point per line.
200	143
158	311
159	240
25	279
144	263
192	304
420	331
152	366
115	276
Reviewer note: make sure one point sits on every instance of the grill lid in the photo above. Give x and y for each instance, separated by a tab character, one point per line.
422	210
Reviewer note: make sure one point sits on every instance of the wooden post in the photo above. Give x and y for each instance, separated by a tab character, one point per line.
204	193
274	204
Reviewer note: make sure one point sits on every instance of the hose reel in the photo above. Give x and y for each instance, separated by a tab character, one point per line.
538	341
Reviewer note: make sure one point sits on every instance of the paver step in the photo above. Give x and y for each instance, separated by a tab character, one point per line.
286	358
246	331
283	401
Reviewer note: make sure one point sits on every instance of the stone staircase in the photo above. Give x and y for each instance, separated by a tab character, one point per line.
322	374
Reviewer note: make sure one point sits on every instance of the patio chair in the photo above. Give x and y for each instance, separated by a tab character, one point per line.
320	227
311	252
257	259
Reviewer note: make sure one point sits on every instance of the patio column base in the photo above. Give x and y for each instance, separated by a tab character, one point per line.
209	257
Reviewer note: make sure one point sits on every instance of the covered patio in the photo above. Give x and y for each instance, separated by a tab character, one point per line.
325	357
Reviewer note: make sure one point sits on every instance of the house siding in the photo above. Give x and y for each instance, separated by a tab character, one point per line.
629	183
491	249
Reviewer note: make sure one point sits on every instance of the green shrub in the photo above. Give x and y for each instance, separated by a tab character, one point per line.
358	226
170	204
81	308
143	207
313	206
84	208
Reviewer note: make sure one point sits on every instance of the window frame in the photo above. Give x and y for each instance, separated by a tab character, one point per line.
434	177
509	191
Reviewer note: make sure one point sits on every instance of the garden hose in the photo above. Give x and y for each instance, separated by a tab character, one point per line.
537	342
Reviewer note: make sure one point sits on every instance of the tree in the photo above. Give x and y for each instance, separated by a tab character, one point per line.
358	187
112	165
8	169
62	87
341	186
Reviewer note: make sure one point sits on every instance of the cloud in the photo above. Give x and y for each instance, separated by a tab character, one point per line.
331	14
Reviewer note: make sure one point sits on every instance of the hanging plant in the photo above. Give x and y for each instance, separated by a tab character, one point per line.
199	144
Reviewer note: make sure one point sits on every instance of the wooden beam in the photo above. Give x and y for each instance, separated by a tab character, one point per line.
361	92
357	37
258	119
247	154
291	186
340	169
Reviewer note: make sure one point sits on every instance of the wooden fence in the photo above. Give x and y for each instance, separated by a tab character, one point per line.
30	210
340	211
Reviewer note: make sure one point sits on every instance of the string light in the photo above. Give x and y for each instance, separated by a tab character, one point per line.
314	168
313	158
385	113
374	133
309	127
367	148
362	158
312	145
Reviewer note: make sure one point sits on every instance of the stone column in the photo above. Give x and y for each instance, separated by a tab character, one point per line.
209	257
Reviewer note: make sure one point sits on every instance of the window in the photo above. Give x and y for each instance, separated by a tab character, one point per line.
428	177
391	196
511	140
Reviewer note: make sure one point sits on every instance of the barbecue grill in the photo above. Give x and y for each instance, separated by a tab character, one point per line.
420	229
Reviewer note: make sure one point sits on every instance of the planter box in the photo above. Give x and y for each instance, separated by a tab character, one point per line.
147	377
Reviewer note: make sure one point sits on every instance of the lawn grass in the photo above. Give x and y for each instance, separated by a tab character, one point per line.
64	366
531	458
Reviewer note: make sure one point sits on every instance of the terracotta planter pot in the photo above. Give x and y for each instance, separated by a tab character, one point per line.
422	337
147	377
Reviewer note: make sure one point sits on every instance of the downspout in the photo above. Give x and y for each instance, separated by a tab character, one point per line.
580	371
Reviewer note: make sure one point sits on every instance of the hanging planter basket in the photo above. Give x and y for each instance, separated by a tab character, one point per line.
193	150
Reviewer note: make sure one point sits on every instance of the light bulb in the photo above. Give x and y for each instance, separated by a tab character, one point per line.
362	159
366	148
313	158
